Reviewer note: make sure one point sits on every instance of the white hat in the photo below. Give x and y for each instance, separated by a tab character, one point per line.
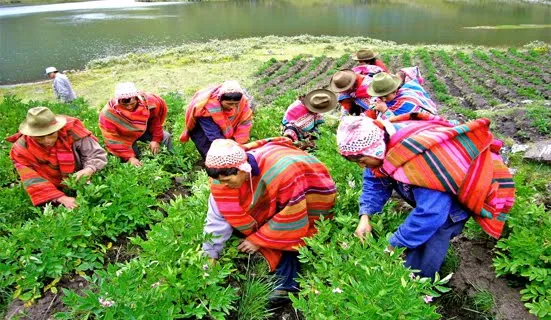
50	70
126	90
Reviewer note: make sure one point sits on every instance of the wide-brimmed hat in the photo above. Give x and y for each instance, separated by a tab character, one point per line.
50	70
343	80
320	101
383	83
126	90
41	121
365	54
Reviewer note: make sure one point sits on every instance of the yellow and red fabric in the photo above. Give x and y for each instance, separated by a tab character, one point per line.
463	160
292	191
43	169
121	128
235	123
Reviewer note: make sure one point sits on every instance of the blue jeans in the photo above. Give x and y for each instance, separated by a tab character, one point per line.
287	270
430	256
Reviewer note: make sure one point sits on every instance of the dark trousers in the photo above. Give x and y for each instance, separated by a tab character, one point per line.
287	271
430	256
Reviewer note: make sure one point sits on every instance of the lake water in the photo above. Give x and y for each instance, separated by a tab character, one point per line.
69	35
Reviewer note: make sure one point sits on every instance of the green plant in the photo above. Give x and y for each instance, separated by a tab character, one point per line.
255	295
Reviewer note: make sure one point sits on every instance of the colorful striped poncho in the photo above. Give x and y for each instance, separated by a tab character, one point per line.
292	191
463	160
235	123
298	121
358	95
121	128
43	169
411	97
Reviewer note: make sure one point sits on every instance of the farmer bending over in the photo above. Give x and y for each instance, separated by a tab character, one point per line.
48	148
130	117
436	167
272	193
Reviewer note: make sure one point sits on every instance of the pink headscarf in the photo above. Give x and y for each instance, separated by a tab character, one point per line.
226	153
360	136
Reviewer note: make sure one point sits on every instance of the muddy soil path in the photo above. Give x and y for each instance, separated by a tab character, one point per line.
474	274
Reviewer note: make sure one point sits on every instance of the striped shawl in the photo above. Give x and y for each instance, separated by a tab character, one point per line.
358	95
292	191
411	97
298	121
42	170
463	160
235	124
121	128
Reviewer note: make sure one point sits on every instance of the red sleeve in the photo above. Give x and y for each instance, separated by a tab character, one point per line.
158	109
346	105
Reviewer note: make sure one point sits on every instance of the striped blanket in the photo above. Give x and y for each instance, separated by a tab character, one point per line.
121	128
42	170
411	97
463	160
292	191
298	121
235	123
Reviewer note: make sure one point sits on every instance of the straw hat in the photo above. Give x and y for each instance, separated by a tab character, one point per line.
365	54
320	101
126	90
383	83
41	121
343	80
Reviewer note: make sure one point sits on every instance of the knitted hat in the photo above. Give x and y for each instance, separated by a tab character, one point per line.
365	54
360	136
230	86
226	153
41	121
343	80
126	90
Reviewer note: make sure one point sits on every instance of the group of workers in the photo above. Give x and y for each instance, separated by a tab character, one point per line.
271	192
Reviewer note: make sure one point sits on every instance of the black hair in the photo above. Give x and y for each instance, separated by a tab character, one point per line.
217	172
370	61
354	157
232	96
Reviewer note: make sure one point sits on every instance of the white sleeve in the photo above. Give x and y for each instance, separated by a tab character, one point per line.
218	227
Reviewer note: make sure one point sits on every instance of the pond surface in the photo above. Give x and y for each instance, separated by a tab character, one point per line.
69	35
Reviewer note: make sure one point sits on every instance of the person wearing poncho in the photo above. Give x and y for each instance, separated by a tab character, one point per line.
272	193
352	90
446	172
218	112
368	64
400	94
133	116
48	148
302	118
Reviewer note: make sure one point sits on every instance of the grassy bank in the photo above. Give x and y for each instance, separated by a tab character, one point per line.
190	66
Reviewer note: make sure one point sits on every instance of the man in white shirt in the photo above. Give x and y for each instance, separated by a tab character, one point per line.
62	86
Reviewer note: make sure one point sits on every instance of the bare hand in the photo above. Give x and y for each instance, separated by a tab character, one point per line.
86	172
364	227
135	162
381	106
155	147
248	247
68	202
